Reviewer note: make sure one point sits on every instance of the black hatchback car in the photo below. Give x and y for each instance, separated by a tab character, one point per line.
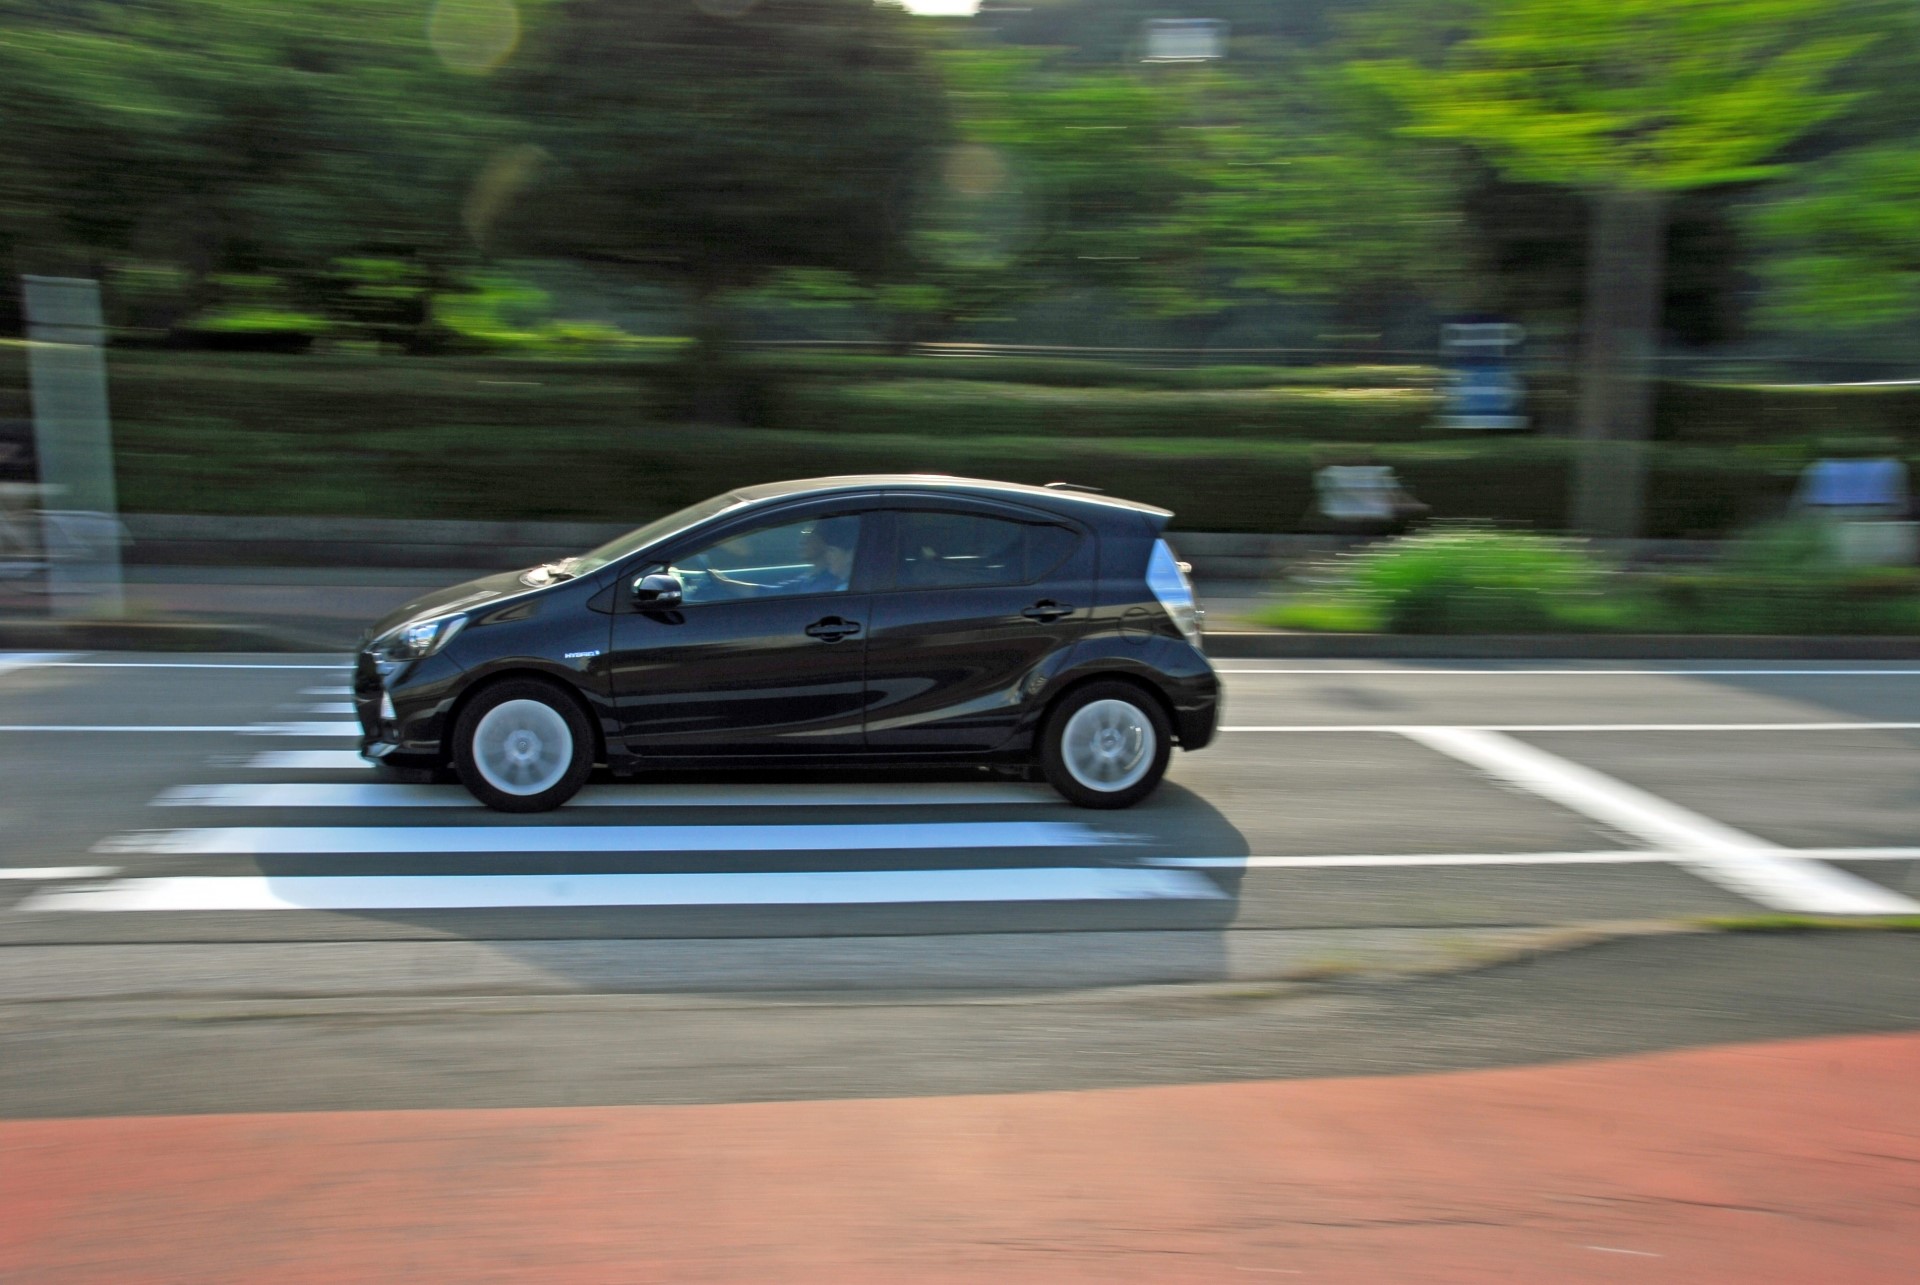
843	621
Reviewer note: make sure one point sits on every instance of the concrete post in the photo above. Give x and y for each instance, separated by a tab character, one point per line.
73	438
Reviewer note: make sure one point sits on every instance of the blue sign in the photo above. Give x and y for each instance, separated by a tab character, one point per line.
1483	387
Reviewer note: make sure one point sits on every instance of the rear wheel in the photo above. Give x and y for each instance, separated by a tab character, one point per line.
1105	746
523	746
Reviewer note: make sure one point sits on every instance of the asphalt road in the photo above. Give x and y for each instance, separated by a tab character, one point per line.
217	799
198	879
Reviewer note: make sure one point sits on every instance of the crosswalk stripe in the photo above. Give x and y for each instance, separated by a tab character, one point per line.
326	691
779	888
310	760
344	731
330	707
10	661
488	840
398	795
54	873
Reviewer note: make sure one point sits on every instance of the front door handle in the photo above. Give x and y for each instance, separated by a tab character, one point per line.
832	629
1047	610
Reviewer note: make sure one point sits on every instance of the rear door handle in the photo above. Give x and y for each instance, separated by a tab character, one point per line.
1047	610
832	629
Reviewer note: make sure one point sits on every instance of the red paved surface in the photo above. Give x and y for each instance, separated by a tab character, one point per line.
1793	1162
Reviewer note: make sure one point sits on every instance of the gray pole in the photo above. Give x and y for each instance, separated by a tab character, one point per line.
73	438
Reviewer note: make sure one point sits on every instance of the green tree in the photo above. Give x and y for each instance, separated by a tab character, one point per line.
1629	102
1847	241
248	137
712	145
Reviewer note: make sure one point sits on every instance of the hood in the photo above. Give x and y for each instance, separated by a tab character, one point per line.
459	597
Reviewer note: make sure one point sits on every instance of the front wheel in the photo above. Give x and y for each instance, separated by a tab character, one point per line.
523	747
1105	746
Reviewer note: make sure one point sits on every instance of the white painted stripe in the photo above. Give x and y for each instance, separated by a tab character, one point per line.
1498	672
1859	854
398	795
780	888
1742	862
117	727
310	760
326	691
344	730
330	707
170	664
1612	858
10	661
478	840
57	872
1406	729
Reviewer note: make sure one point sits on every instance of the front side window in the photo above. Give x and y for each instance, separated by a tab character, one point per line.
796	558
970	550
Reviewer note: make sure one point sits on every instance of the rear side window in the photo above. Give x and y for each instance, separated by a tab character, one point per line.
970	550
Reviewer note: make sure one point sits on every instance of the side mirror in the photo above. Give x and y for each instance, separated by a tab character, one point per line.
657	592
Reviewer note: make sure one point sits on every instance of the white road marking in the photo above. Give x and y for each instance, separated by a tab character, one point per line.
326	691
1622	857
778	888
310	760
400	795
1498	672
10	661
1745	863
172	664
1407	729
478	840
118	727
57	872
351	730
330	707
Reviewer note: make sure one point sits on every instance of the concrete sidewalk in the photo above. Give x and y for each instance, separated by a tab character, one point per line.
1788	1162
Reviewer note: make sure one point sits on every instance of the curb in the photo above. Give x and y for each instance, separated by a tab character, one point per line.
1253	645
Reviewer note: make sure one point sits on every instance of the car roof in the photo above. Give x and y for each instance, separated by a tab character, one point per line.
1065	501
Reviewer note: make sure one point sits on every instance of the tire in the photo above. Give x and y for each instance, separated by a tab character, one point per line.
523	746
1105	745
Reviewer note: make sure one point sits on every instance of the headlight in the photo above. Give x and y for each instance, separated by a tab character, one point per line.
420	639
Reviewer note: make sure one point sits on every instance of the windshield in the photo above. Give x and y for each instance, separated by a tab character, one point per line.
654	531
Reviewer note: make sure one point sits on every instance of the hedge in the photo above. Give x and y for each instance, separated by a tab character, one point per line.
531	470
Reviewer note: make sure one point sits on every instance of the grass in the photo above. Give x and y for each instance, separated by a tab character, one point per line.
1811	923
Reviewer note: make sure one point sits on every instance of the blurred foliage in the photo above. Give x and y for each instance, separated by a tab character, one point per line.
1465	580
1847	240
398	176
1780	579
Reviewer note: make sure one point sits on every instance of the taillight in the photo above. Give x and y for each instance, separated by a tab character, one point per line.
1168	580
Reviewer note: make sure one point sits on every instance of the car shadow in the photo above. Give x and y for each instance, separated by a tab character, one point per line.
1155	913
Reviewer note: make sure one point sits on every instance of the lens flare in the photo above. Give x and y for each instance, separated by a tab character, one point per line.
473	36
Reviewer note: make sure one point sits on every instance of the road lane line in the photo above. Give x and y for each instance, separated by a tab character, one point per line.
1745	863
779	888
57	872
1620	857
181	664
1409	728
1428	670
404	795
119	727
490	839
